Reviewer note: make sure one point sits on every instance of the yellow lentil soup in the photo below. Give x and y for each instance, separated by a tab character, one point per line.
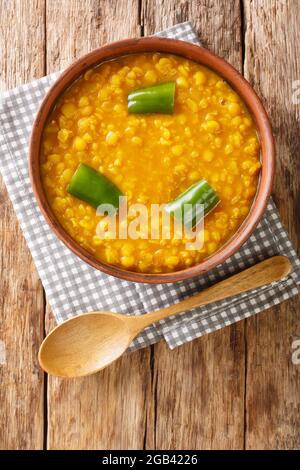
151	158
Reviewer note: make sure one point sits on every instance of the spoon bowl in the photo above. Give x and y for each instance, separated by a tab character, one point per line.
84	344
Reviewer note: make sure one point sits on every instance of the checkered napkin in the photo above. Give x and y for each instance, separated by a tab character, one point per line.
73	287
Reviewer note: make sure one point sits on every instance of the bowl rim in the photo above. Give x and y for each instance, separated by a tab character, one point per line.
197	54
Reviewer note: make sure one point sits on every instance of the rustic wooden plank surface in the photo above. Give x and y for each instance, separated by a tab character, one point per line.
200	395
108	410
191	407
21	294
273	382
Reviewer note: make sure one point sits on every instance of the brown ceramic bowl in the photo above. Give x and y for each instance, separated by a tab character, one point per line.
197	54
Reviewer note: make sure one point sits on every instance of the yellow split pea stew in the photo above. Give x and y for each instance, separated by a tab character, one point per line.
195	131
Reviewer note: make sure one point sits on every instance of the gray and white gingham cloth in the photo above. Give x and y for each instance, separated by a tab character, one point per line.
73	287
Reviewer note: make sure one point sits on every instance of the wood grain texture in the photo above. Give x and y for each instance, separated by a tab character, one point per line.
200	395
273	382
85	26
216	22
198	390
263	273
92	341
108	410
21	295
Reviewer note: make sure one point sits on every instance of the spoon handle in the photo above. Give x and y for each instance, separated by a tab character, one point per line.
265	272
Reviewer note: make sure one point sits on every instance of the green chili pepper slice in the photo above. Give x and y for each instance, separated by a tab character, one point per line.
154	99
198	193
93	187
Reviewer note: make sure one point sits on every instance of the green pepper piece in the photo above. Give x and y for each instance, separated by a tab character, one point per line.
90	186
153	99
198	193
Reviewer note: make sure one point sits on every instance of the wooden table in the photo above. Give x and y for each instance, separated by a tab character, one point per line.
234	389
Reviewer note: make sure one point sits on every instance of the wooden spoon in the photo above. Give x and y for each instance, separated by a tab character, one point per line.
89	342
